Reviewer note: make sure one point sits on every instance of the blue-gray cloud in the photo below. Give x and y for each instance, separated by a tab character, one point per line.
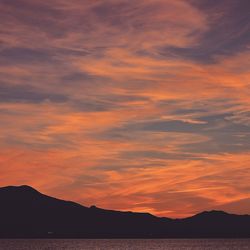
228	33
24	56
36	14
27	93
223	134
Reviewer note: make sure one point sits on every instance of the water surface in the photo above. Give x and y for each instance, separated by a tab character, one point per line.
121	244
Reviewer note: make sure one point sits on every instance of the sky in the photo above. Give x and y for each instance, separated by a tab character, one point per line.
136	105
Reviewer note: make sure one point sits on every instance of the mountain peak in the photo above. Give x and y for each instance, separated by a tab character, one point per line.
212	212
20	189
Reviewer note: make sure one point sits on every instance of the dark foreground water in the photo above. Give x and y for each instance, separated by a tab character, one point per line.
169	244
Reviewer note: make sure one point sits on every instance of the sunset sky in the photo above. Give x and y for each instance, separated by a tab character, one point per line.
139	105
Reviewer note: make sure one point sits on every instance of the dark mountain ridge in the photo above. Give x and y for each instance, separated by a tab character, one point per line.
27	213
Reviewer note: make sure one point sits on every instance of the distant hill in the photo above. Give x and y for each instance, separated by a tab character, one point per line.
26	213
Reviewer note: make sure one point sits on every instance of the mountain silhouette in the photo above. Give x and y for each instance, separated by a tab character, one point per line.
27	213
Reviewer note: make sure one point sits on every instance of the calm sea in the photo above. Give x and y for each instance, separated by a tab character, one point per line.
169	244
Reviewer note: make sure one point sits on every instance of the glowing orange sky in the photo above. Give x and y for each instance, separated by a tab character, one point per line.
133	105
